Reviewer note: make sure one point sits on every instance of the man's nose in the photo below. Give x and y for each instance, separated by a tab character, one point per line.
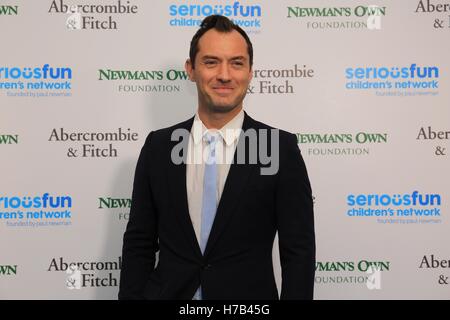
224	73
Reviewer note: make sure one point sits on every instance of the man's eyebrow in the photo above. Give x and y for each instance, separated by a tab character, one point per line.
217	58
210	57
238	58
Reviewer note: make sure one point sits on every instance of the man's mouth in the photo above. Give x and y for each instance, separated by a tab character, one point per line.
223	90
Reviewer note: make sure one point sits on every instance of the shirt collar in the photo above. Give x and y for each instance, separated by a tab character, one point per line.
229	132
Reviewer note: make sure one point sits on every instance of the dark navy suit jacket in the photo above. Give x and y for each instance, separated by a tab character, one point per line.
237	263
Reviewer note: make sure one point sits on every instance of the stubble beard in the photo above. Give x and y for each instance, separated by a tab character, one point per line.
224	108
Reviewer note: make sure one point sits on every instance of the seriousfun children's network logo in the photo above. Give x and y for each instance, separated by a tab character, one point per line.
37	211
191	15
45	81
408	208
412	80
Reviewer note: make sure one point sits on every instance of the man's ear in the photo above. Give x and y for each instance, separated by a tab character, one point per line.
189	69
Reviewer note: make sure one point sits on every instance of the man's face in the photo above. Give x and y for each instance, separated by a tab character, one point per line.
222	71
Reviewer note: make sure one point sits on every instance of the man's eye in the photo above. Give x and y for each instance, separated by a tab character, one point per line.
210	62
238	63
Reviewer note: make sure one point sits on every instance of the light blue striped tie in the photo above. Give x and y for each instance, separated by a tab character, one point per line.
209	200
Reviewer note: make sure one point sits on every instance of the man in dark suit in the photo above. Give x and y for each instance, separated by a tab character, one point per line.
214	222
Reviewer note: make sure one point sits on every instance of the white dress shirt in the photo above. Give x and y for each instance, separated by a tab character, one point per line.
228	137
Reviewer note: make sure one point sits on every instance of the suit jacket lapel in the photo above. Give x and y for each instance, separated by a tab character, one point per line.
177	187
236	181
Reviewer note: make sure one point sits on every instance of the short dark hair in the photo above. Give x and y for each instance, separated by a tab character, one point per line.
221	24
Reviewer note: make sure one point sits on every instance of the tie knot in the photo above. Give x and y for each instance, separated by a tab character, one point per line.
211	138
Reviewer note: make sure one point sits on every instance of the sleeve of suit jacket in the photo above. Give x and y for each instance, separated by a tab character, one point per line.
295	223
140	241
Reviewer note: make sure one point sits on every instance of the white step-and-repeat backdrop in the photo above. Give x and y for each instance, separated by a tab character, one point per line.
363	84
